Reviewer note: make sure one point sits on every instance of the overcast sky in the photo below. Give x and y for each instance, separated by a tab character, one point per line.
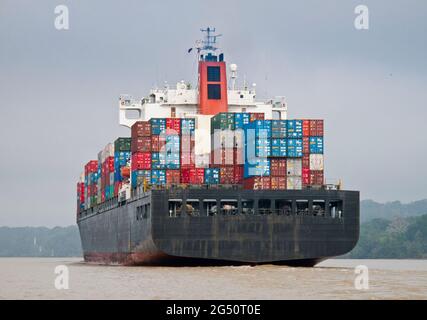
59	89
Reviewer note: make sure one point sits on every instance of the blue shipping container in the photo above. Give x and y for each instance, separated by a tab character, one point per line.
241	119
188	125
316	145
158	126
158	177
172	143
257	167
173	161
279	129
294	128
279	147
140	173
262	147
294	148
158	160
121	159
212	176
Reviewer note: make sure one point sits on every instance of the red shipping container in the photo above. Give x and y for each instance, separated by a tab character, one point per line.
141	144
185	175
257	183
197	176
305	176
306	161
173	177
81	191
173	126
316	177
256	116
278	167
158	143
188	160
141	129
278	183
91	166
316	128
193	175
306	128
227	174
305	145
110	161
141	161
238	174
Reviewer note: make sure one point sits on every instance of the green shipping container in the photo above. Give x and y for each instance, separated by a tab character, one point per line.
122	144
223	121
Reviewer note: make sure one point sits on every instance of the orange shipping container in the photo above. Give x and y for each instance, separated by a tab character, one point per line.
278	183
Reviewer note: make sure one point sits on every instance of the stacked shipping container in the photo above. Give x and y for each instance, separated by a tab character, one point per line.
90	183
283	154
162	151
227	145
246	149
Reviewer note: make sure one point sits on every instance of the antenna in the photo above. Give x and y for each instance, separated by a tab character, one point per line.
210	39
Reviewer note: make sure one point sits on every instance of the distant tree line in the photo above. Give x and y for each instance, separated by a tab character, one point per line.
40	242
399	238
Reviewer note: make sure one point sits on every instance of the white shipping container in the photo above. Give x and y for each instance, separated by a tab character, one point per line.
316	161
294	183
294	167
108	151
202	160
202	134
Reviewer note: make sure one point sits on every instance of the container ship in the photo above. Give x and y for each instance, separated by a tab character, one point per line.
212	175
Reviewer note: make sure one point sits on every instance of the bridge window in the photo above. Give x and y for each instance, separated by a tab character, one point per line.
192	207
175	207
336	209
229	207
264	206
284	207
247	206
140	211
318	207
302	207
147	210
209	207
214	92
214	74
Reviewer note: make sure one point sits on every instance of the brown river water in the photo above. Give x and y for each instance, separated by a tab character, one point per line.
34	278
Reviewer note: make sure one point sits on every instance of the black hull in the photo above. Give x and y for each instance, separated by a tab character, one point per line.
124	233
